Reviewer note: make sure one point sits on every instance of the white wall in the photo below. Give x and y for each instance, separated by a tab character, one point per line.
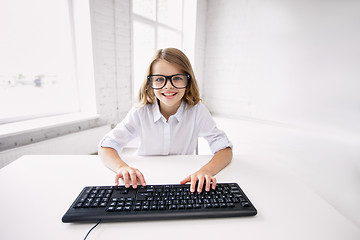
111	43
111	36
295	62
200	40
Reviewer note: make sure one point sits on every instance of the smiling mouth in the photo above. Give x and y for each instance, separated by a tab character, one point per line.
169	94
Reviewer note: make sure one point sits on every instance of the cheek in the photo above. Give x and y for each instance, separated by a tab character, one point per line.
157	93
181	93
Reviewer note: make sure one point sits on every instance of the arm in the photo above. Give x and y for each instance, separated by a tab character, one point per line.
206	174
112	160
220	146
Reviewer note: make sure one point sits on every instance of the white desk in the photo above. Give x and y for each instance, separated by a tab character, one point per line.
36	191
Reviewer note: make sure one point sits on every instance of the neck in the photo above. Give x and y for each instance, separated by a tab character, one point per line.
168	111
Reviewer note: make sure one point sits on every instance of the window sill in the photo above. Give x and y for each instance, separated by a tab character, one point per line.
11	129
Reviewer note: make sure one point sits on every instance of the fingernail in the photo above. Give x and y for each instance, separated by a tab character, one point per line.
192	190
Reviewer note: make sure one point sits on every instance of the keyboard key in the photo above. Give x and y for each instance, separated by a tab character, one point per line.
173	207
78	205
146	190
197	206
223	205
143	196
110	209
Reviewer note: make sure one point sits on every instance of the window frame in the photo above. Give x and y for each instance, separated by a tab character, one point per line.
156	25
84	82
79	12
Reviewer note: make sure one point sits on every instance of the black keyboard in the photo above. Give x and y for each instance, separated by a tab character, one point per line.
157	202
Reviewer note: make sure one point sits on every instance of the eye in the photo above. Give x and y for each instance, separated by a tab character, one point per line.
158	79
178	78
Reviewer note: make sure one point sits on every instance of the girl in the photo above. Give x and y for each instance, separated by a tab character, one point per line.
168	120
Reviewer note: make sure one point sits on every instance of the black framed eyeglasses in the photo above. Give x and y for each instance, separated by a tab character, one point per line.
158	81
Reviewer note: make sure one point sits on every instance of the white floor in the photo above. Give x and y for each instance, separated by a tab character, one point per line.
329	163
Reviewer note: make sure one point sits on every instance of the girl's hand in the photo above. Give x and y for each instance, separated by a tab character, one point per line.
201	177
129	175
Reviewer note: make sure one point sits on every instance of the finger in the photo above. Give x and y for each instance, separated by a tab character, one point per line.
200	184
193	184
133	178
141	178
126	179
208	182
185	180
117	177
116	180
213	183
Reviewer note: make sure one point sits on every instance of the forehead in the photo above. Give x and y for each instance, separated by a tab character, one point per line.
164	67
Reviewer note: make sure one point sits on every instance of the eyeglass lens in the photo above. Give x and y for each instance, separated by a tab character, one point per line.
159	81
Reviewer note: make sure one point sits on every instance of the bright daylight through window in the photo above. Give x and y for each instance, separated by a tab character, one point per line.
37	75
156	24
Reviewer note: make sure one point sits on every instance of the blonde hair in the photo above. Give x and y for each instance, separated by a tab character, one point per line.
178	59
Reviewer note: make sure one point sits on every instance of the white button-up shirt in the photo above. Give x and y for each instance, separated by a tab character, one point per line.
157	136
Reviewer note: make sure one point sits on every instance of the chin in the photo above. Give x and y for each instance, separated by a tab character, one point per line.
172	102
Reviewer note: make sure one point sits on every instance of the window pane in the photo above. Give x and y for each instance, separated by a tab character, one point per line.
36	60
168	38
145	8
170	13
144	49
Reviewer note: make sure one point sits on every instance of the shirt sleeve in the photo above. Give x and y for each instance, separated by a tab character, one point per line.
123	133
216	138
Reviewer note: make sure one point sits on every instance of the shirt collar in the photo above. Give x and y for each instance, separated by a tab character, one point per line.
178	115
156	111
180	112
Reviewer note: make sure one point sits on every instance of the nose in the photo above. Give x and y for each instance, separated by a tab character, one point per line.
168	84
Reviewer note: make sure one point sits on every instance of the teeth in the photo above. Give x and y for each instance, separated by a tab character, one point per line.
169	94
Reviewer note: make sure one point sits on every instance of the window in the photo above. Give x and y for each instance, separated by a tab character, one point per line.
159	24
37	62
